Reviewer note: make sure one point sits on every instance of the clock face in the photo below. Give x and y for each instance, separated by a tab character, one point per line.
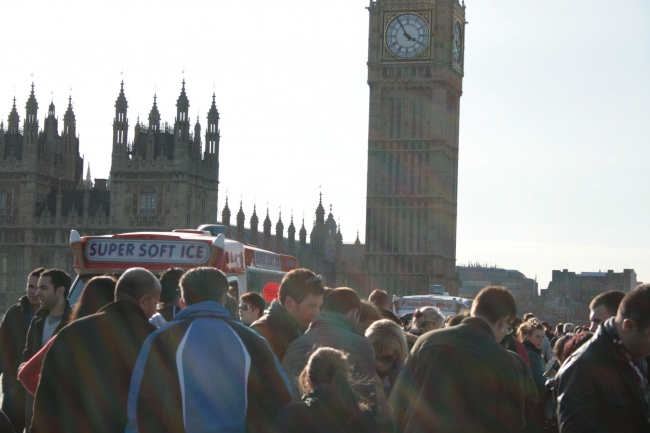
457	54
407	35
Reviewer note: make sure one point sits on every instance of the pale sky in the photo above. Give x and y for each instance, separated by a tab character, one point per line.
553	127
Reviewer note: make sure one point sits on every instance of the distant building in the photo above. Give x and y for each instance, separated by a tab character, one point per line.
569	294
473	278
165	178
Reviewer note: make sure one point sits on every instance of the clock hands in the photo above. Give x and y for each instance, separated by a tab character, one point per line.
409	37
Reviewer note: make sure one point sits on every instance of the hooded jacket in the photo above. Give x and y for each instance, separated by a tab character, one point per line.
204	372
278	328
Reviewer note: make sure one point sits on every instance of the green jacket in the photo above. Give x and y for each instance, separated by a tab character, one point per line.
279	329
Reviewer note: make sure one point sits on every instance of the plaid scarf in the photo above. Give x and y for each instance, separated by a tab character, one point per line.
640	368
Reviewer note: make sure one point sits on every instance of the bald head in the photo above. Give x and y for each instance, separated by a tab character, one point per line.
136	283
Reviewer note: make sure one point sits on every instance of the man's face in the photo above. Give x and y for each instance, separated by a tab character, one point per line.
638	343
149	303
598	315
306	311
32	285
47	294
248	314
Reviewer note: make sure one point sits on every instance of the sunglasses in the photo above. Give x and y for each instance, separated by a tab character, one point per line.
386	359
315	279
244	307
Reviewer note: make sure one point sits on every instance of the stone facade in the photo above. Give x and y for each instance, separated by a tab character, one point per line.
165	178
569	294
415	82
473	278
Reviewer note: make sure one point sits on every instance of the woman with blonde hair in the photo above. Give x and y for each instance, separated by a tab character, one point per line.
426	319
329	403
391	351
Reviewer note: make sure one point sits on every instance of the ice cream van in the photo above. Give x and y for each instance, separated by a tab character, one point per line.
448	305
252	267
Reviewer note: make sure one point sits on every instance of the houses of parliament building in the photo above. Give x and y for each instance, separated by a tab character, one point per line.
167	175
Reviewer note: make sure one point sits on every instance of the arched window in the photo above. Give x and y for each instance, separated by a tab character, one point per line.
148	202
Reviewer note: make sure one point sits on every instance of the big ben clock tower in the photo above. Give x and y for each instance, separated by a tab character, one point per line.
415	74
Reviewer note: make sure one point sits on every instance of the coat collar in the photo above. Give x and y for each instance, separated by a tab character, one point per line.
204	309
123	307
337	320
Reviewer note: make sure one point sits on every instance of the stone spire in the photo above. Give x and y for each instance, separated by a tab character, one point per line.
303	236
88	184
154	115
267	232
13	121
291	238
320	212
254	227
279	235
225	215
241	236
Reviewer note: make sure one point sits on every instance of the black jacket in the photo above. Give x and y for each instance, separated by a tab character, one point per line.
315	415
460	379
87	371
13	335
35	333
597	392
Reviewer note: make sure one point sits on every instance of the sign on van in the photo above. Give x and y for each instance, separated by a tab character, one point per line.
147	251
412	304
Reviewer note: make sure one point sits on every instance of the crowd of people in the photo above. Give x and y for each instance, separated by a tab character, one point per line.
186	353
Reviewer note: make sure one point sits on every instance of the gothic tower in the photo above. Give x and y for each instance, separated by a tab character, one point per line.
415	74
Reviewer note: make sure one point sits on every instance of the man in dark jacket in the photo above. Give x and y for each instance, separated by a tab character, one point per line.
204	372
603	386
460	379
13	335
301	296
52	292
381	300
86	373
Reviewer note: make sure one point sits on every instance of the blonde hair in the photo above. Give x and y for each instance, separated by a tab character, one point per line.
386	334
425	315
528	327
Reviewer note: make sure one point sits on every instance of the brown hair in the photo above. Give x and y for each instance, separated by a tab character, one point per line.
636	306
204	284
379	297
329	368
98	292
36	272
342	300
610	300
255	300
59	278
299	284
494	302
528	327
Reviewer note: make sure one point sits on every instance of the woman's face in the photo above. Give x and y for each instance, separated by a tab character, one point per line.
385	360
537	338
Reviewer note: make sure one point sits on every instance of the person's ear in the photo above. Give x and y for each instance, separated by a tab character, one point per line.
60	290
629	326
182	303
222	301
504	324
142	301
289	303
